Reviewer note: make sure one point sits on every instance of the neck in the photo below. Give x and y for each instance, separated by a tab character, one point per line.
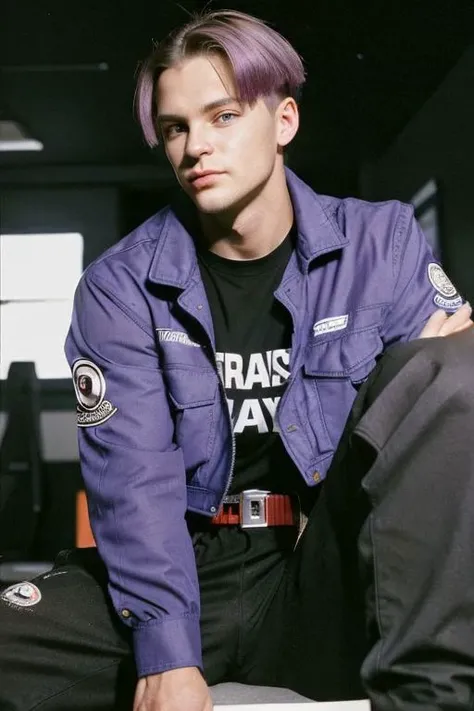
255	229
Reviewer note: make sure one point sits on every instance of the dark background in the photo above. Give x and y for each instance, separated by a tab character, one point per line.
371	65
388	104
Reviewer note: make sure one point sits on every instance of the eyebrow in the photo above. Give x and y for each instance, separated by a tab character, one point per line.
217	104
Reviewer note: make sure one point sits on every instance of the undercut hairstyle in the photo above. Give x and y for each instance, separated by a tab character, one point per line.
263	62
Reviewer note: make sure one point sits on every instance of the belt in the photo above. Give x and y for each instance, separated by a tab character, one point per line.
258	509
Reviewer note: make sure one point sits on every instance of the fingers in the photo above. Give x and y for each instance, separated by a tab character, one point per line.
457	321
434	324
465	326
440	324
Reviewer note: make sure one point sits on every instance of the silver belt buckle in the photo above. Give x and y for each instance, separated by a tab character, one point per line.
253	510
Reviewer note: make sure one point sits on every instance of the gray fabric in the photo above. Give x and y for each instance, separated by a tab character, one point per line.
230	693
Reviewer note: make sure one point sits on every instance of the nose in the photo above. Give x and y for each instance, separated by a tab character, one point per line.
198	143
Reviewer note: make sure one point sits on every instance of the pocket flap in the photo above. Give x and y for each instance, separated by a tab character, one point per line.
191	388
351	355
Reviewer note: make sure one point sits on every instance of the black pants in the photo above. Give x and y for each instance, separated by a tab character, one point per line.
377	598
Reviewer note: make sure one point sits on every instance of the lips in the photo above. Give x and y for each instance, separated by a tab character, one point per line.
204	180
196	176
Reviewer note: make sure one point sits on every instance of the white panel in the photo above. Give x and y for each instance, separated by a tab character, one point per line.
40	266
59	435
59	432
35	332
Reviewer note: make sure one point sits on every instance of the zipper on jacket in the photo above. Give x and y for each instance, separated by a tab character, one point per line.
210	348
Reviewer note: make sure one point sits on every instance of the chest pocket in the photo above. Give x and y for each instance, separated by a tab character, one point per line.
337	363
193	395
351	355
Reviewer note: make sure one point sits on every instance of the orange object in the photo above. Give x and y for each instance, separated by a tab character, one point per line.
279	510
84	535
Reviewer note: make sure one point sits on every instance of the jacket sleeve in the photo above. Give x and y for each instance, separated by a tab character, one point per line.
420	284
135	478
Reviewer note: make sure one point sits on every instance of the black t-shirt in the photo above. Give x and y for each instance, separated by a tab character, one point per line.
253	341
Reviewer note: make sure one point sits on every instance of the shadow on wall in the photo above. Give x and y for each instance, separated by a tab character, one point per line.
437	145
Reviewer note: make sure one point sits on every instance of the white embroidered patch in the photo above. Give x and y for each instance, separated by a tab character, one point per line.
90	419
22	594
327	325
169	336
441	281
89	385
447	304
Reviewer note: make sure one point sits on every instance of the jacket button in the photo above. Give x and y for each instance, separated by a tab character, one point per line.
213	509
199	306
316	476
291	428
126	613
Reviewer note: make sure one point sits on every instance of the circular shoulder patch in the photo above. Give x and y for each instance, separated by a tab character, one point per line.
441	281
22	594
89	384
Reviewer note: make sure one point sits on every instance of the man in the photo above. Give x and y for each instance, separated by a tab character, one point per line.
216	353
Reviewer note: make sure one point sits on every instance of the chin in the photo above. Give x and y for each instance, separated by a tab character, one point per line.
212	204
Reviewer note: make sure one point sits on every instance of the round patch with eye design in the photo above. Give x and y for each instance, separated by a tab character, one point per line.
89	385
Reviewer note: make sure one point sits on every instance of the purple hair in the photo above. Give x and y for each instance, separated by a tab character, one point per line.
263	62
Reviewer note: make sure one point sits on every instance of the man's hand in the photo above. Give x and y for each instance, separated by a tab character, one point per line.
175	690
440	324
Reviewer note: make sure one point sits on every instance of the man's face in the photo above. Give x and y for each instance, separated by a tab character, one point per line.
204	128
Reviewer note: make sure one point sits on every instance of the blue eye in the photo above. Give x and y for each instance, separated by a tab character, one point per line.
228	116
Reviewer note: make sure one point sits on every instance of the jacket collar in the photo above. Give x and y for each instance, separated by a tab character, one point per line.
174	261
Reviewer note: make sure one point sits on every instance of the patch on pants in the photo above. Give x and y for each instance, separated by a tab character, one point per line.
21	595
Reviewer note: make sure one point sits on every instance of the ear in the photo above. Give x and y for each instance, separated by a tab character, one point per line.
287	121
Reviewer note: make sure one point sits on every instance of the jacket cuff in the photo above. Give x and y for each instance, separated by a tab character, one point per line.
159	646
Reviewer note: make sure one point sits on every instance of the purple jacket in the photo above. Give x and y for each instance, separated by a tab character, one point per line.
155	434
